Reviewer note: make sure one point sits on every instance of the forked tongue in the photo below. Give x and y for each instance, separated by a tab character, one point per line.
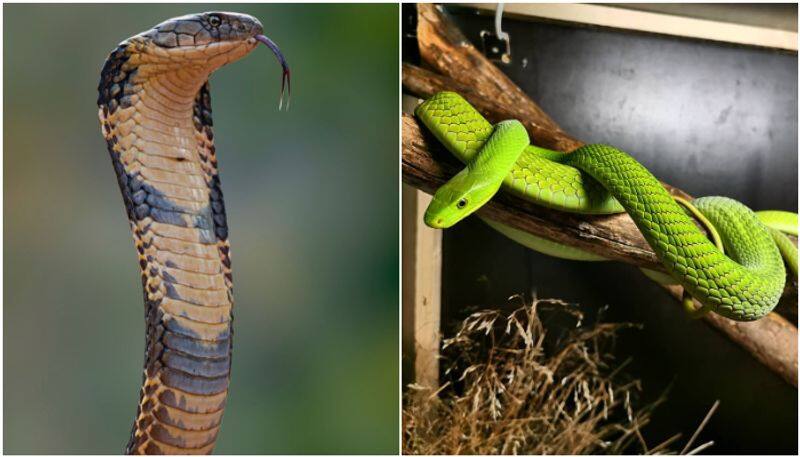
286	81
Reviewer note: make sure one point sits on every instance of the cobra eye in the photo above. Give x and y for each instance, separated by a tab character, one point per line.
461	203
214	20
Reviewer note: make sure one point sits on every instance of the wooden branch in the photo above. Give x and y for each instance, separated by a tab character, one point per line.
425	83
772	340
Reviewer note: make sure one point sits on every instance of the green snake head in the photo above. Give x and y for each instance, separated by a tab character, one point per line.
457	199
475	185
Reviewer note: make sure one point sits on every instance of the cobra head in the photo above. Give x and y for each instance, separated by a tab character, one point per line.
212	39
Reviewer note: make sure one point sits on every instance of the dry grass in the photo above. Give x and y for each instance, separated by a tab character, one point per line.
515	388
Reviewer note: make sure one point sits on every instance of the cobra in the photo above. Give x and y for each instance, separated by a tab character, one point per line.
155	115
744	282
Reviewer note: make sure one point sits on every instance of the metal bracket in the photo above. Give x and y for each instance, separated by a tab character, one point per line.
497	44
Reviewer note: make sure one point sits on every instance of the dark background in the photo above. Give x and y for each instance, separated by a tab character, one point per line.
311	197
709	118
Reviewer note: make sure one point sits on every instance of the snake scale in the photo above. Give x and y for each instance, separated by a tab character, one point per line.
155	114
744	282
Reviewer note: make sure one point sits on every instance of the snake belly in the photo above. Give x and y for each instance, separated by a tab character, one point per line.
155	114
597	179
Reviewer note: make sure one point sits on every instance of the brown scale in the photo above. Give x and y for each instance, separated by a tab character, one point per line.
155	113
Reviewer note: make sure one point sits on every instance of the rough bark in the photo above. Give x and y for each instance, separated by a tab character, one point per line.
426	165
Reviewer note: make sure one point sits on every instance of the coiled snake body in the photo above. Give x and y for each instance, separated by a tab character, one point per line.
745	284
155	114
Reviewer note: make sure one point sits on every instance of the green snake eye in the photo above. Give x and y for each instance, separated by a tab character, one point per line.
461	203
214	20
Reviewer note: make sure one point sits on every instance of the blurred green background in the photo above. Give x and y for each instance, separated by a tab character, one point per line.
312	199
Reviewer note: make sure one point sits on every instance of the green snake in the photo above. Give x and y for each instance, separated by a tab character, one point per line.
155	115
743	283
